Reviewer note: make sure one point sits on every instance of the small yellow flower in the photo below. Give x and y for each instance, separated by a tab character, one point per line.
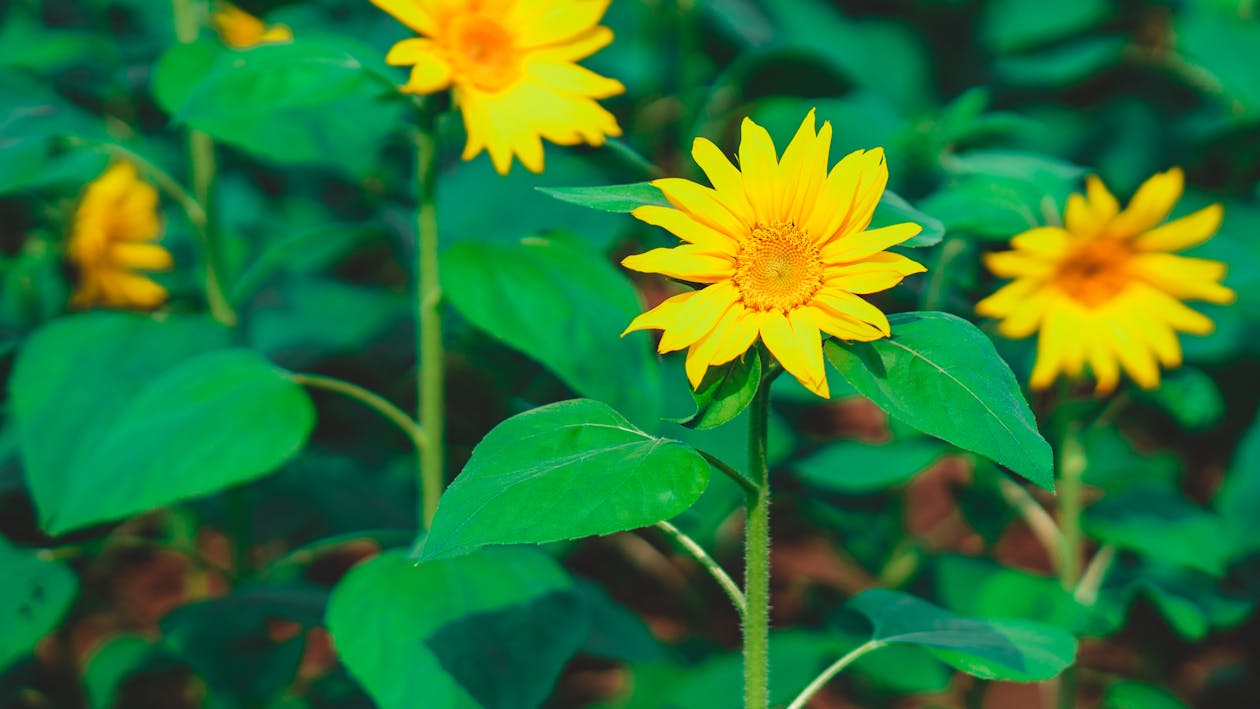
783	248
114	227
1105	289
241	30
512	67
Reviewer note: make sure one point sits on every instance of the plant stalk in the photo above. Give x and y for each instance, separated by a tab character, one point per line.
757	559
430	379
1071	468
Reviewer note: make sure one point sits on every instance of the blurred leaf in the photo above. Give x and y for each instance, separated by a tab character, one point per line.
971	586
490	630
318	317
1162	524
1190	396
1226	48
796	657
904	669
616	632
610	198
308	101
892	209
1239	496
229	641
1189	600
1011	25
117	414
27	44
564	306
567	470
854	468
1111	462
1131	694
725	392
36	592
990	207
110	664
1013	650
1062	65
941	375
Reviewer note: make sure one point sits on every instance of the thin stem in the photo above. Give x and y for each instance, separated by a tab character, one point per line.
757	559
709	563
188	16
431	376
372	400
750	488
934	294
1071	468
1035	516
1086	592
836	667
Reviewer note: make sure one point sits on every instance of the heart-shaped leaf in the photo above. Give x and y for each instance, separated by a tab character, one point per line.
567	470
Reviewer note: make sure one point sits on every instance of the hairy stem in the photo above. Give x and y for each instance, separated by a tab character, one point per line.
757	559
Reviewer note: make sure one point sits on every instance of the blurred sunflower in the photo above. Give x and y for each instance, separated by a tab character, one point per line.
511	65
783	247
114	227
241	30
1104	289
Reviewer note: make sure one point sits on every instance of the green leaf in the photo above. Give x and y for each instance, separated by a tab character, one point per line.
1062	65
725	392
941	375
567	470
1012	25
1012	650
796	657
1190	396
1239	496
855	468
36	593
118	414
971	586
611	198
490	630
1164	525
565	306
108	667
1131	694
892	209
989	206
1225	48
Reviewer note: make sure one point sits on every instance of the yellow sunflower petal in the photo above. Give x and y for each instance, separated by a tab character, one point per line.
1160	338
660	317
701	202
687	263
1046	241
1150	204
852	247
1183	277
1135	357
733	334
870	190
411	13
1017	264
1173	311
1024	319
430	71
796	181
1007	298
698	315
1182	233
725	178
838	302
1101	201
570	77
563	21
141	256
686	227
1100	353
795	342
759	167
576	48
835	198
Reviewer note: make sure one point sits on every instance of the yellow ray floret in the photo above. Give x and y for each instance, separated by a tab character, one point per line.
1103	291
241	30
784	248
512	68
115	227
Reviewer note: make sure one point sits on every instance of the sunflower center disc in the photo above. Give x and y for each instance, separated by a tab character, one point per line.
778	268
1095	272
484	51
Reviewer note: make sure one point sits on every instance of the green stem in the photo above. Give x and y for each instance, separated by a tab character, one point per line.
836	667
709	563
750	488
757	559
372	400
431	377
1071	467
934	294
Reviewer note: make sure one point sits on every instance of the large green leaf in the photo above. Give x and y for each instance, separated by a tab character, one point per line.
1162	524
35	594
490	630
563	471
566	307
941	375
1015	650
119	414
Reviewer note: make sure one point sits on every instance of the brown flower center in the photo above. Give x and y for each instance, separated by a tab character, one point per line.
483	51
778	268
1095	272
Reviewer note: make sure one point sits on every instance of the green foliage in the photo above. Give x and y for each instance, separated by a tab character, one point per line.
119	414
725	392
851	467
36	593
408	630
941	375
563	471
1162	524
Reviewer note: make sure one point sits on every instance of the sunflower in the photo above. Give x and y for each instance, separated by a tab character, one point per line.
114	227
511	65
1105	289
784	251
240	30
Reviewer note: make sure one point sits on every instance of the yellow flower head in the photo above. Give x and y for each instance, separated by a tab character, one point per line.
241	30
114	227
1104	290
512	68
783	247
